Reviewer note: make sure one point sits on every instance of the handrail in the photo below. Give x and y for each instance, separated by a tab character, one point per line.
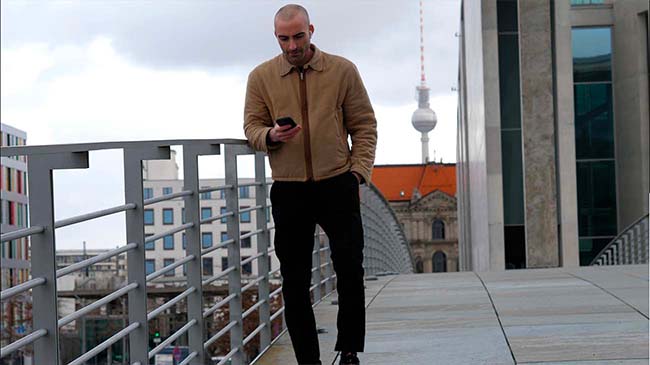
170	267
166	197
614	242
20	233
93	215
14	290
25	341
171	338
96	304
158	236
154	313
95	259
104	345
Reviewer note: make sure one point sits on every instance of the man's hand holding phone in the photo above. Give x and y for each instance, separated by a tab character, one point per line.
284	130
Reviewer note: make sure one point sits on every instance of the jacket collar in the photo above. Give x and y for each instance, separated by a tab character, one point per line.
316	62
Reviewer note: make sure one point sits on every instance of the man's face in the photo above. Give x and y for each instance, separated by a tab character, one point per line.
294	37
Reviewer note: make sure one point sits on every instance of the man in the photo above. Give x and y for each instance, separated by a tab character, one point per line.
316	175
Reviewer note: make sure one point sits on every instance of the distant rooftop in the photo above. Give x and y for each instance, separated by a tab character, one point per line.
396	182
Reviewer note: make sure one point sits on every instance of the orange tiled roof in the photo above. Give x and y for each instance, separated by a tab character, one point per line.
396	182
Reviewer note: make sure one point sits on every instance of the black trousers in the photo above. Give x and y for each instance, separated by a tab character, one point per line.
334	205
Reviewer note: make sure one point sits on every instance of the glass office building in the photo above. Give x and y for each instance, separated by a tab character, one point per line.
552	129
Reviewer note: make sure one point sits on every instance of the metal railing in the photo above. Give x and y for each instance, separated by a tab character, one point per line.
628	248
386	251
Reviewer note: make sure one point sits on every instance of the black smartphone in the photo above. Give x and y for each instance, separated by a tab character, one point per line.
286	120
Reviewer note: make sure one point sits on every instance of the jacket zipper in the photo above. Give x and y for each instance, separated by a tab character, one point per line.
305	124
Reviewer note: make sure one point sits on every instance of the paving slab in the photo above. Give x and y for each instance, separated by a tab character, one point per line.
578	316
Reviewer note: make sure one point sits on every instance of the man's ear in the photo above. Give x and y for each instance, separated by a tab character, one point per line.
311	29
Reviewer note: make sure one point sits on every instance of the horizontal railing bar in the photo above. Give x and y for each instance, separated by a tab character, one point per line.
218	305
250	209
214	218
171	338
311	288
253	334
93	215
270	228
96	304
256	183
254	257
14	235
158	236
275	292
166	197
171	267
14	290
216	247
252	283
314	269
271	250
25	341
325	264
222	332
228	356
276	314
219	275
326	248
98	146
325	280
274	271
250	234
215	188
95	259
104	345
154	313
253	308
189	358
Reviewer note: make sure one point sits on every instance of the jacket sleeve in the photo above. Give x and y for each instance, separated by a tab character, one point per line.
360	122
257	119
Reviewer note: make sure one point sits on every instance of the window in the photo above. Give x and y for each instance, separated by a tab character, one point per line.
206	239
224	236
222	194
206	213
168	242
184	241
149	246
168	216
438	230
147	193
268	214
207	266
206	196
224	263
167	262
244	192
244	217
246	242
150	266
223	210
587	2
148	217
439	261
183	215
167	190
247	269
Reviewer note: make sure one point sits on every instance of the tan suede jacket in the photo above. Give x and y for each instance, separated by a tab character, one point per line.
329	101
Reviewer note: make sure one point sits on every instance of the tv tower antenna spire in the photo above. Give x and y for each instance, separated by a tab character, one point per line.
424	119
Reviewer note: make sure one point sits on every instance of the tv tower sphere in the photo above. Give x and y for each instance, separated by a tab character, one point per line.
424	119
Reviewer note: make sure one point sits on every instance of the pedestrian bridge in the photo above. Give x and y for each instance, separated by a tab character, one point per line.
586	315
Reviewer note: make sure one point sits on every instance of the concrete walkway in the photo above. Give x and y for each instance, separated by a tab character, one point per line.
587	315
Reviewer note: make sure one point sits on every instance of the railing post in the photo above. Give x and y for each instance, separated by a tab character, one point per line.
263	240
139	338
43	248
195	334
234	256
329	284
315	275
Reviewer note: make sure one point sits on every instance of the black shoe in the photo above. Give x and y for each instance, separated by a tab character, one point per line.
349	358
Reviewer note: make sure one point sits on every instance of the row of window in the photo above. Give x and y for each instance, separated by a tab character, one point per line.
14	213
206	241
206	212
15	249
9	140
244	193
13	180
208	267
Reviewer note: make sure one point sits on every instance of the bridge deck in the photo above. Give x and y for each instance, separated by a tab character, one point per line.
587	315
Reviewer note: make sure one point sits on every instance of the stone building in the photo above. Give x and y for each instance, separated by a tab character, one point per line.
423	197
552	129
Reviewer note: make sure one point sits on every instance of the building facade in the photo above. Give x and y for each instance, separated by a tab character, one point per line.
14	255
552	129
162	179
423	198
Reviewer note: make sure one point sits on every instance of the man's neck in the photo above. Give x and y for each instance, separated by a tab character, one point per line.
309	55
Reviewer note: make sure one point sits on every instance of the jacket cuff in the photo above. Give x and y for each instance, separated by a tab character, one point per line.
270	145
365	175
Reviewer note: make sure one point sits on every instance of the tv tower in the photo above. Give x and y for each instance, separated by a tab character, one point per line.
424	119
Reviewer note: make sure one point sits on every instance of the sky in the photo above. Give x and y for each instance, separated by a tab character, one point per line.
94	71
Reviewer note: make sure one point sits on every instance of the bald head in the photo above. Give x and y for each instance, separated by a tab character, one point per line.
290	11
